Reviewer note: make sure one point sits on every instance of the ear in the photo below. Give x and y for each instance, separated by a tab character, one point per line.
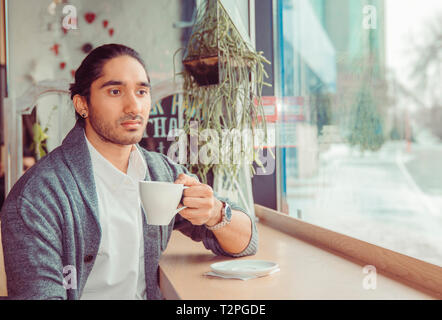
80	104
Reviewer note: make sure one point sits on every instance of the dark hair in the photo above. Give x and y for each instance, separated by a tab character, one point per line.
92	66
27	152
150	129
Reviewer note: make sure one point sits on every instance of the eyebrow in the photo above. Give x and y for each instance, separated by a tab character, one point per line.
120	83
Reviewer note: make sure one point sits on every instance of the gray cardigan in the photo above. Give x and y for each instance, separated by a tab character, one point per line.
50	221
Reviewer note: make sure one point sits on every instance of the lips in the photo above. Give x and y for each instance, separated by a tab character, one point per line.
131	124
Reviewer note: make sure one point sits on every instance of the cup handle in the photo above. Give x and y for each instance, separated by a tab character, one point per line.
178	210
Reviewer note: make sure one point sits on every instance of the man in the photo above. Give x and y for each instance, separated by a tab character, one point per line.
78	210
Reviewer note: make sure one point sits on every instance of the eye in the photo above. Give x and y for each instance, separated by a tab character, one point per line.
142	92
114	92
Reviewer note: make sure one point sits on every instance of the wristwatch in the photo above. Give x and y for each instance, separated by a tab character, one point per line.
227	217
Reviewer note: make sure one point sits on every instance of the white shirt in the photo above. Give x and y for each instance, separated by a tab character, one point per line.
118	271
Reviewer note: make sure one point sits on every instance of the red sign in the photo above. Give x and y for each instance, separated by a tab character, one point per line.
291	109
270	105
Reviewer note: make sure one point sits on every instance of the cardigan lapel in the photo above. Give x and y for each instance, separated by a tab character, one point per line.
79	161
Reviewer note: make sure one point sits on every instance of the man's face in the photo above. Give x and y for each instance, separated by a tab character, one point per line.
120	101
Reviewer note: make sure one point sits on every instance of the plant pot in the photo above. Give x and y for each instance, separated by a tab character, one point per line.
205	70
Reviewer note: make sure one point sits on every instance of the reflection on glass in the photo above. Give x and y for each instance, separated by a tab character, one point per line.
360	120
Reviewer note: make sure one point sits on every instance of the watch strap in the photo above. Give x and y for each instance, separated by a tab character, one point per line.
225	220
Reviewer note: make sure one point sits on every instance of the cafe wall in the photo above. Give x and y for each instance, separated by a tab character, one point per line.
39	49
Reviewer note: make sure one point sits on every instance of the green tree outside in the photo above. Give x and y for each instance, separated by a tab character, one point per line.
366	127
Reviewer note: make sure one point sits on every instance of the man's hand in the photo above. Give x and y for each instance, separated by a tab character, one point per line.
202	206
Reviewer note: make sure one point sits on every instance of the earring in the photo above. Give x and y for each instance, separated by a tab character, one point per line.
84	115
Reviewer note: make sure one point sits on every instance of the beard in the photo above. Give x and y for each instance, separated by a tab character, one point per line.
111	132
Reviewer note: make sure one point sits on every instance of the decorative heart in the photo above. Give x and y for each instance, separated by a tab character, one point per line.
73	73
86	48
89	17
111	32
105	23
62	65
55	48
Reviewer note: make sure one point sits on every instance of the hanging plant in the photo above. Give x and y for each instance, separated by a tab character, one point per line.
40	137
223	80
39	140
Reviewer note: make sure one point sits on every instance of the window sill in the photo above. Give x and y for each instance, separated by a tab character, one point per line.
307	271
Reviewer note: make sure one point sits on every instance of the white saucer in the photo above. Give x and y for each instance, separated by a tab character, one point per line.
244	267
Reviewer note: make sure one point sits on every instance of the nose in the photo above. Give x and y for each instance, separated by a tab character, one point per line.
132	105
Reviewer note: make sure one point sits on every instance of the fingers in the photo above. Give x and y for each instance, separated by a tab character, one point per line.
187	180
198	203
199	200
195	216
199	191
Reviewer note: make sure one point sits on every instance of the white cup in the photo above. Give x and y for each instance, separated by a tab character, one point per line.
160	201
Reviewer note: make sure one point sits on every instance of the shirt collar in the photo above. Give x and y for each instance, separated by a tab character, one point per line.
137	164
110	175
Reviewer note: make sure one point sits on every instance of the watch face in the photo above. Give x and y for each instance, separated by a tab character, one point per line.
228	212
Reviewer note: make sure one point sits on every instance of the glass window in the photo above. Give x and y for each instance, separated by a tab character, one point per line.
360	119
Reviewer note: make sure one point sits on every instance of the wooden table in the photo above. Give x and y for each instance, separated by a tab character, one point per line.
307	272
